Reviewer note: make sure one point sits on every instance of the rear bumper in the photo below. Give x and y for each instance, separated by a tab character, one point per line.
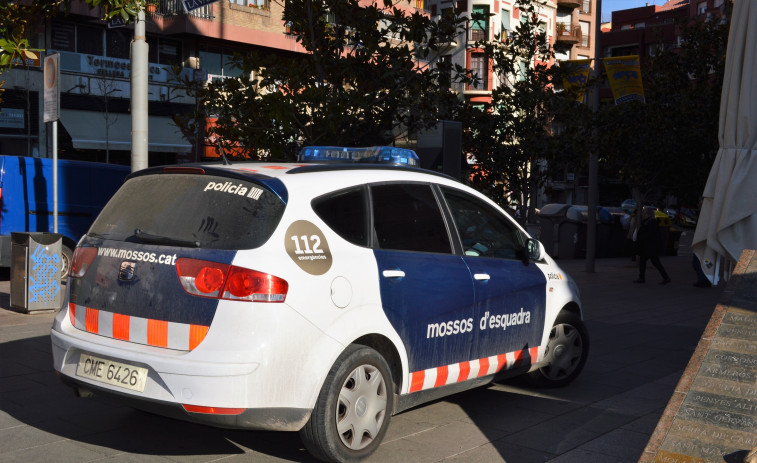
264	419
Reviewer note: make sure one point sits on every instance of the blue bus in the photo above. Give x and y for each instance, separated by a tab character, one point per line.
26	199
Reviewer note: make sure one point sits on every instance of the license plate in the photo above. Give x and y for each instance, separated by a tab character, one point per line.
111	372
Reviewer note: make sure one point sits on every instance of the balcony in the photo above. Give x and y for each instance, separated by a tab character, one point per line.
572	4
478	35
567	34
169	8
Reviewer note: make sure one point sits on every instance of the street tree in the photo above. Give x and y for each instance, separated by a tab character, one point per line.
368	77
668	144
510	138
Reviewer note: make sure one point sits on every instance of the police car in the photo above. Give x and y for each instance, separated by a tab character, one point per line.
313	297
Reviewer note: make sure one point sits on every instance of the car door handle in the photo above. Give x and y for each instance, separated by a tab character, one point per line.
393	274
481	276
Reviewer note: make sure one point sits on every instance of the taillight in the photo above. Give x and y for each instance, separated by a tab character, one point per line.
83	257
214	280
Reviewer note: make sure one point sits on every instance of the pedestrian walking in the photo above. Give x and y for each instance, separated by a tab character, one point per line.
649	246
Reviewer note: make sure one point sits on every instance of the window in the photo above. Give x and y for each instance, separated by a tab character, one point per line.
89	40
701	8
585	33
113	43
480	25
219	62
118	43
406	217
262	4
344	212
164	51
505	23
480	70
176	208
483	230
586	6
445	71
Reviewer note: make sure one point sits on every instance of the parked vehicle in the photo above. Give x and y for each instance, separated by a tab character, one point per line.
320	298
26	199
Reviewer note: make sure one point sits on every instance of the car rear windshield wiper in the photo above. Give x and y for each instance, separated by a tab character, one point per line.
157	239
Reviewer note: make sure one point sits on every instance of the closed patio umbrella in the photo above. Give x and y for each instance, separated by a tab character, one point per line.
728	219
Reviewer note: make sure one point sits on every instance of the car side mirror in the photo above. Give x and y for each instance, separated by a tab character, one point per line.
534	250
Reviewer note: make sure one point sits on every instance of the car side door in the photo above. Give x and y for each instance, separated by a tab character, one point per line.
426	288
510	292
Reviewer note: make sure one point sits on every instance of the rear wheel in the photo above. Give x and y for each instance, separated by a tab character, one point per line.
66	255
566	352
353	409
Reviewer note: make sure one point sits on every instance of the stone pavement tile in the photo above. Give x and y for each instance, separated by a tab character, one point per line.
550	404
407	424
618	445
8	421
132	458
645	424
451	439
497	452
24	437
552	438
582	455
629	405
60	452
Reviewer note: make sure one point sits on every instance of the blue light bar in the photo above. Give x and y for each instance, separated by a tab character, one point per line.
372	155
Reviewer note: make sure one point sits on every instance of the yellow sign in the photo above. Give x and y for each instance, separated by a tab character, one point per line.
578	75
624	74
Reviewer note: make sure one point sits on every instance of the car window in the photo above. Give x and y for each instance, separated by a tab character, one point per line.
483	230
407	217
344	212
191	210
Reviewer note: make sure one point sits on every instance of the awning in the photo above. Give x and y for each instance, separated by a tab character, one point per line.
88	131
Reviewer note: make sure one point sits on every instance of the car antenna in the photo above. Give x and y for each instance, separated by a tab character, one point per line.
224	159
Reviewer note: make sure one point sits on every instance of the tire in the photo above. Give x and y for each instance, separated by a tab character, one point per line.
65	262
353	409
566	353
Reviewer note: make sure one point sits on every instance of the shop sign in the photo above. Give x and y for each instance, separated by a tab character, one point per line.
116	68
11	118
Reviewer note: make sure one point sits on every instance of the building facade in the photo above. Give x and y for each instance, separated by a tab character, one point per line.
95	72
569	25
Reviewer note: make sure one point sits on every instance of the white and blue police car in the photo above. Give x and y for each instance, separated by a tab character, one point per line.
313	297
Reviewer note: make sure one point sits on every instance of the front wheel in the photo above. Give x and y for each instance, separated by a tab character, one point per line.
566	352
353	409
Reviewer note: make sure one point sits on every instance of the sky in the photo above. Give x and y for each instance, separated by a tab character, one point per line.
608	6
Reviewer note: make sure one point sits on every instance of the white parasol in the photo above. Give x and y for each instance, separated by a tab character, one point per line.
728	218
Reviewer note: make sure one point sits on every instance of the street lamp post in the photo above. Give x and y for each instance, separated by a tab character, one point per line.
139	78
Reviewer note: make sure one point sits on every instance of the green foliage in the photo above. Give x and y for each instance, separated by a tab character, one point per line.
668	144
368	77
510	138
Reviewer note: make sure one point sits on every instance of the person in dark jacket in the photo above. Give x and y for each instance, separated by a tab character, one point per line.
649	246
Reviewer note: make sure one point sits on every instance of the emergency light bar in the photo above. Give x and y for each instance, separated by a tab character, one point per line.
371	154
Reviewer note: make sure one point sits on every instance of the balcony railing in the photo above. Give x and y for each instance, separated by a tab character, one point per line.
568	34
477	35
568	3
169	8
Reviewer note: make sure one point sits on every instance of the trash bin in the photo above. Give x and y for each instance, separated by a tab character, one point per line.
674	237
563	231
35	271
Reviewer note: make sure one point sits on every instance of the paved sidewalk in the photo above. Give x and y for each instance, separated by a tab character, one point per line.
642	337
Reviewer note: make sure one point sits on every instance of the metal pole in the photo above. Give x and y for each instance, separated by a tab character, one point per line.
593	199
55	176
139	79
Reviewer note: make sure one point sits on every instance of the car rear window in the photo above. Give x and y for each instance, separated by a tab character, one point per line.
191	210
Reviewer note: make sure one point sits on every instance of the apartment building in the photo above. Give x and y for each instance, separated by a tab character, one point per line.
569	25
